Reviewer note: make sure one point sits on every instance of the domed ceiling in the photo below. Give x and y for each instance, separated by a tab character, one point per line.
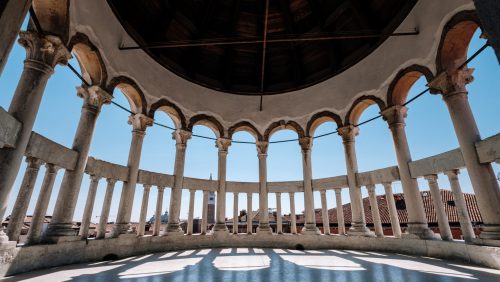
253	48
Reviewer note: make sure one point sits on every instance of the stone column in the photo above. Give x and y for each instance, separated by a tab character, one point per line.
461	206
417	222
139	124
43	53
279	221
35	231
181	138
189	227
106	206
263	199
89	207
220	225
452	87
12	15
204	216
144	210
340	211
310	219
444	226
292	213
18	214
159	203
62	219
358	224
235	213
377	223
393	212
324	213
249	213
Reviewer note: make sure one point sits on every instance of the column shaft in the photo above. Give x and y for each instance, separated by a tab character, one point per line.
393	212
189	227
220	224
340	211
235	214
310	219
159	203
292	213
263	193
249	213
106	206
35	231
377	223
38	67
204	216
444	225
89	207
460	204
144	210
279	220
18	214
324	213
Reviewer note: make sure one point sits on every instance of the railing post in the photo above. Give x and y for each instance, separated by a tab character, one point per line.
249	214
235	213
377	223
292	213
393	212
279	221
324	210
444	225
340	211
463	214
144	210
106	206
89	206
159	203
189	227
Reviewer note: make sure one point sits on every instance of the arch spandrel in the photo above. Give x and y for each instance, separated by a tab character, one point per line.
280	125
404	80
359	106
90	60
320	118
208	121
132	92
171	110
247	127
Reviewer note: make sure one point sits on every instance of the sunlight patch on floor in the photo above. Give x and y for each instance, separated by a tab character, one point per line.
158	267
323	262
242	263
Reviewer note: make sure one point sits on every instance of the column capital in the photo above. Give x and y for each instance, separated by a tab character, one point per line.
146	187
262	148
192	191
95	178
452	173
205	192
452	81
140	122
43	52
236	193
338	190
371	189
93	96
348	132
160	188
395	115
322	192
432	178
278	194
51	168
34	163
223	144
111	181
291	194
181	137
305	143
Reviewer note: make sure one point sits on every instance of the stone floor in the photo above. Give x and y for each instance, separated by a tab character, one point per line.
252	264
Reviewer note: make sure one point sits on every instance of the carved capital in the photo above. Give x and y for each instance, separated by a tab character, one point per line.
43	52
431	178
111	182
371	189
181	136
223	144
305	143
51	168
140	122
452	81
322	192
33	163
262	147
95	178
338	191
452	174
160	189
93	96
395	115
146	187
348	132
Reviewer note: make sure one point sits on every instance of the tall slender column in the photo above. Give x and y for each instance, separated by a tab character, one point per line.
263	198
279	220
393	212
12	15
89	207
62	219
35	231
377	223
340	211
223	145
204	216
23	198
292	213
235	213
358	224
417	222
139	124
106	206
249	213
181	138
310	219
444	226
43	53
144	210
452	87
189	227
159	203
324	213
463	214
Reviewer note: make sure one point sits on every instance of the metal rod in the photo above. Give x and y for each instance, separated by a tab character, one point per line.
36	22
281	39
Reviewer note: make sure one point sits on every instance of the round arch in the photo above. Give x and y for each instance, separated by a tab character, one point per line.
247	127
91	64
319	118
207	121
404	80
359	106
132	92
171	110
279	125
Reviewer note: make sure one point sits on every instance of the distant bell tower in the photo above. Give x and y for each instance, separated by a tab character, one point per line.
211	206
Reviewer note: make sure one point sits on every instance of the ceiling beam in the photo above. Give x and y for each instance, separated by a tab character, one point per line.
227	69
298	64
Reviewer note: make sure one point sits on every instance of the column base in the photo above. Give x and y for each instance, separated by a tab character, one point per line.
3	236
119	229
419	231
173	229
310	229
264	228
220	228
360	229
57	232
490	232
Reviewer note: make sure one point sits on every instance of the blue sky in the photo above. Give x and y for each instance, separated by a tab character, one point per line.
429	130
